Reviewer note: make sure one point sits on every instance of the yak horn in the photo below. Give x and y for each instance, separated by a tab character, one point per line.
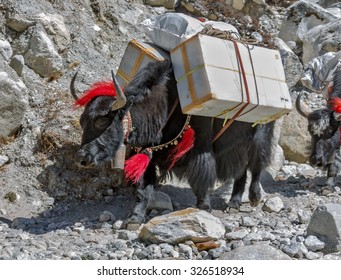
299	109
72	87
120	99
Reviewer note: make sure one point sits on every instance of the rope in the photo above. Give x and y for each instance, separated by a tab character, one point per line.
226	35
239	58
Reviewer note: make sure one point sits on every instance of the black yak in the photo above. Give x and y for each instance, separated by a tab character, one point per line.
147	118
323	126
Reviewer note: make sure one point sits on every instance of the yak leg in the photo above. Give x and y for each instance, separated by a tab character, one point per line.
237	192
143	196
255	195
202	177
330	182
331	175
138	216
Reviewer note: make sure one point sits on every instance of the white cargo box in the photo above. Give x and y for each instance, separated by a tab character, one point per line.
210	81
136	56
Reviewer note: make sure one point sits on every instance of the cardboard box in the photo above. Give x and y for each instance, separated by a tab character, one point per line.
136	56
210	80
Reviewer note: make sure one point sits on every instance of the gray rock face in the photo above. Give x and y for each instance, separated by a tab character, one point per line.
255	252
314	26
12	104
303	11
325	224
321	39
17	63
6	50
294	137
18	23
293	68
180	226
42	56
55	27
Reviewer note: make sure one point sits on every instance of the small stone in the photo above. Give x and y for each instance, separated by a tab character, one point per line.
312	255
248	222
117	225
79	228
3	160
187	250
110	192
236	235
207	245
12	196
313	243
17	63
273	204
303	216
107	216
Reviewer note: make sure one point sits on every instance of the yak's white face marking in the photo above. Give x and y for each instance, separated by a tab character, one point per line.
319	126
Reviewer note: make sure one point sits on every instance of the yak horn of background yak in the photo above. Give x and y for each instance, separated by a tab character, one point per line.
72	87
120	99
299	109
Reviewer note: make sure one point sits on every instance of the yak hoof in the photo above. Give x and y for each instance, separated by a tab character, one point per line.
204	204
134	222
255	203
234	204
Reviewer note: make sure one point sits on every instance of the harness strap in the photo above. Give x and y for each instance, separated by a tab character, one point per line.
239	58
170	113
127	125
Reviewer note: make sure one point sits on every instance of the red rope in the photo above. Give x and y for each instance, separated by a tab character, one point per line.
239	58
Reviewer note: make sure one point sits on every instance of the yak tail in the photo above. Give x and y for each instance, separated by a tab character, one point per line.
182	148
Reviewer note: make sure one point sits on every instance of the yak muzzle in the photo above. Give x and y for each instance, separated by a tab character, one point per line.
84	161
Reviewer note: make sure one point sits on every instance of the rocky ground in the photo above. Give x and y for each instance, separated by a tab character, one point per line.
51	209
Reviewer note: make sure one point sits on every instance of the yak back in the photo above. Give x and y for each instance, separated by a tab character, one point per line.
150	96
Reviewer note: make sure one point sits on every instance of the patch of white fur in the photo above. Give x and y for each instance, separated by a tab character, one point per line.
319	126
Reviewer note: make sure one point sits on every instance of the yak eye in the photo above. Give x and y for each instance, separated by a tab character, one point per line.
101	123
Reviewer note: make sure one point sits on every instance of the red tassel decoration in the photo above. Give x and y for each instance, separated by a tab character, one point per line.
97	89
336	104
136	166
183	147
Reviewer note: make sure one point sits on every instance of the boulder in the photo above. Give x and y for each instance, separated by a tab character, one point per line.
180	226
295	137
325	224
41	56
293	68
13	103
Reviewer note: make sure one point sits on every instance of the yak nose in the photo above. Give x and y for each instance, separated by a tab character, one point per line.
83	160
